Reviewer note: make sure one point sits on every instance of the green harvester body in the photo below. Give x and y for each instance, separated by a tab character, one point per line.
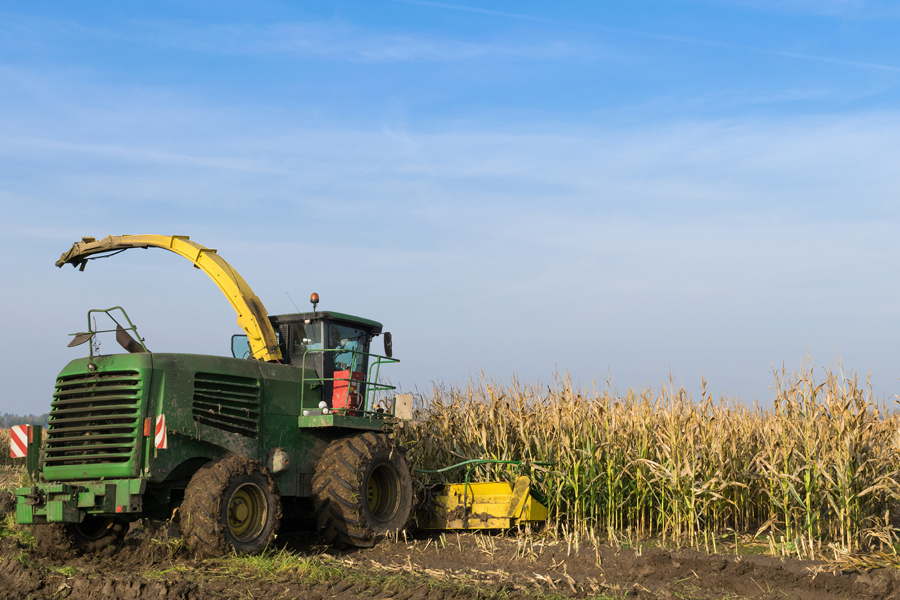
101	455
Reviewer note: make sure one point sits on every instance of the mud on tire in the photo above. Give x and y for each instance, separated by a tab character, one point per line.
232	503
61	540
362	489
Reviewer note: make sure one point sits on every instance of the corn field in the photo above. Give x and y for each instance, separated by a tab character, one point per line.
4	449
817	468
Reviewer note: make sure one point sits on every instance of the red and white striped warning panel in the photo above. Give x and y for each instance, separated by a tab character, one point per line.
162	441
18	441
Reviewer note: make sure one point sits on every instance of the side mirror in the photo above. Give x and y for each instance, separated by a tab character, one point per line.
81	338
240	346
126	341
388	345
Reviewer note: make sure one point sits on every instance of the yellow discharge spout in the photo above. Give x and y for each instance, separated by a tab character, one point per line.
251	314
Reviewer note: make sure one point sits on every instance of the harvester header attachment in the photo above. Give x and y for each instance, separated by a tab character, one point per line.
492	505
486	505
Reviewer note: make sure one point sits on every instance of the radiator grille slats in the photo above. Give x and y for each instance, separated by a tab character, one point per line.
227	402
94	419
111	409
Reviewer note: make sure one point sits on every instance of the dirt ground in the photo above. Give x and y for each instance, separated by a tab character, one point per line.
466	566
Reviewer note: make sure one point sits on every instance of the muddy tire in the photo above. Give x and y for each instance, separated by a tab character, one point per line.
230	504
60	540
362	489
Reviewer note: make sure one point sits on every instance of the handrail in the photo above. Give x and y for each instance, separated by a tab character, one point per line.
131	326
368	383
251	314
381	360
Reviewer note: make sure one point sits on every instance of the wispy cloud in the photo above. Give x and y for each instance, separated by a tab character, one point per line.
661	36
690	242
856	9
692	245
335	42
323	40
129	145
136	154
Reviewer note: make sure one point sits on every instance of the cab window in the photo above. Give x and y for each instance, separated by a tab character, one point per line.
350	345
303	337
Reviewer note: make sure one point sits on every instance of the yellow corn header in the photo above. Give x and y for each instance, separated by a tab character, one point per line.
491	505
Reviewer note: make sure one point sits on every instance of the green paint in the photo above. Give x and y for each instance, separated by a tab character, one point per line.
99	461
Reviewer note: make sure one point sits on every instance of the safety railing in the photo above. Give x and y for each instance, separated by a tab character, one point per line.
370	386
80	338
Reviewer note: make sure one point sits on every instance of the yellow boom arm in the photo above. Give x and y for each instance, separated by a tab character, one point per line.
251	314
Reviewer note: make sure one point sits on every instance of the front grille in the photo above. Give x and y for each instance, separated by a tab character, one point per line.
94	419
227	402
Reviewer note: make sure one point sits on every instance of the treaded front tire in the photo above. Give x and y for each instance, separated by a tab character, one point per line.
362	489
232	503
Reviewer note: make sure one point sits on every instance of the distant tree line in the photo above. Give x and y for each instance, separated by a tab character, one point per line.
8	420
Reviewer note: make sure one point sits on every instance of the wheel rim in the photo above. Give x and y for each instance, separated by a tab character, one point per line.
94	528
383	493
247	512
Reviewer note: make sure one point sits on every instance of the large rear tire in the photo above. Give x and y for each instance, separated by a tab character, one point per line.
58	540
362	489
232	503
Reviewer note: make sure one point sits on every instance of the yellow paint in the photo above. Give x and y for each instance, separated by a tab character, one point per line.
493	505
251	314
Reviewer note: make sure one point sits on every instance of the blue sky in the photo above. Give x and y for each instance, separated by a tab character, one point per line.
618	190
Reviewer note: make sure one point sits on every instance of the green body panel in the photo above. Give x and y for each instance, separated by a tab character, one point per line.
213	406
338	420
120	388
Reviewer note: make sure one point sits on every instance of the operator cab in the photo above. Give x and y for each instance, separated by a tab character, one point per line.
339	339
333	347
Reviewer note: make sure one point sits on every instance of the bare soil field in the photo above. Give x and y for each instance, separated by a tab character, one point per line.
148	564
